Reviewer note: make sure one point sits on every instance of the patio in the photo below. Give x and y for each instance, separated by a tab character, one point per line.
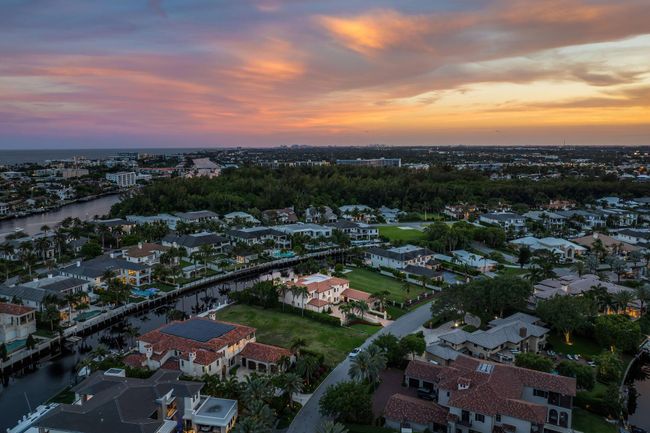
391	383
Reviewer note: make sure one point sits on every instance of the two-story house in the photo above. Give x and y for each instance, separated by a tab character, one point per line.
509	221
323	291
259	236
109	402
193	242
17	322
355	231
483	397
398	257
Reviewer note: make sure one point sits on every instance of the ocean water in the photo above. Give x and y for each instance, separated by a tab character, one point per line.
10	157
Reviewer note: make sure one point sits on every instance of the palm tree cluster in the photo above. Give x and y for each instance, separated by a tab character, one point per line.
352	309
368	364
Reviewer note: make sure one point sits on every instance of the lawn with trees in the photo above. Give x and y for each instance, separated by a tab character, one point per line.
373	282
277	328
401	235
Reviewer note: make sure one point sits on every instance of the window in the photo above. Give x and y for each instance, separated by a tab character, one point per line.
479	417
564	419
552	417
498	417
540	393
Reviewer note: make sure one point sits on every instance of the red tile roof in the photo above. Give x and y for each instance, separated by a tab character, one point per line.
14	309
498	391
319	286
423	371
318	302
357	295
206	352
135	359
403	407
264	352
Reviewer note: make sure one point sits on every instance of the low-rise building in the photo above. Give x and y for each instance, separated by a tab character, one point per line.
587	220
473	261
612	245
197	217
17	322
259	236
203	167
36	293
549	220
509	221
239	218
566	250
355	231
109	402
320	215
311	231
357	212
147	253
95	270
398	257
323	291
484	397
201	346
519	333
193	242
279	216
390	215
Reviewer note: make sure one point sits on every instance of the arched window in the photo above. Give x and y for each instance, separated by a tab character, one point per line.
552	417
564	419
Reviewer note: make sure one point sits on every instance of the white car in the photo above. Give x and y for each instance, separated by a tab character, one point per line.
354	353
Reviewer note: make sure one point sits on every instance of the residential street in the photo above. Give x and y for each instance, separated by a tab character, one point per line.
309	418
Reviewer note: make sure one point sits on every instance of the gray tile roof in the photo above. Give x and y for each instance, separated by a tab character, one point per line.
195	240
119	404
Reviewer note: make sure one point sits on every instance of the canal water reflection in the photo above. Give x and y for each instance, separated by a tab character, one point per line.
54	375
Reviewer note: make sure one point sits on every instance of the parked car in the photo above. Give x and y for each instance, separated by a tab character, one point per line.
634	429
426	394
591	364
354	353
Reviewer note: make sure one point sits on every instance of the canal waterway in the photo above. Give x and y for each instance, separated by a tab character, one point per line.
82	210
53	375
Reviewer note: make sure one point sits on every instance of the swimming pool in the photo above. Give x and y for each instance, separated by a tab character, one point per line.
278	254
146	293
16	345
82	317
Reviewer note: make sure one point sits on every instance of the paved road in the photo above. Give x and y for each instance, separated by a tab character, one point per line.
309	418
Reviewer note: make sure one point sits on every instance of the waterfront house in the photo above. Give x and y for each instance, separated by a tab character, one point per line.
95	270
192	243
259	236
323	291
355	231
109	402
567	251
35	293
17	322
398	257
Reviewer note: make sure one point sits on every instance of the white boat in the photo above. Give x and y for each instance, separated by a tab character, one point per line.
25	424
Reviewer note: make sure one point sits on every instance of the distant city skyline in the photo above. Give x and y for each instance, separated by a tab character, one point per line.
261	73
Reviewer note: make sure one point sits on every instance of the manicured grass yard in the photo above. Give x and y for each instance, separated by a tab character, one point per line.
394	233
277	328
373	282
588	422
580	345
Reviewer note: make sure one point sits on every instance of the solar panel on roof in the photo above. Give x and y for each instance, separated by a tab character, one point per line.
198	330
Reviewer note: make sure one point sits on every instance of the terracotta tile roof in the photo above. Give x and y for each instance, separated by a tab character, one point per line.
14	309
318	302
357	295
206	352
264	352
135	359
171	364
318	286
494	389
402	407
423	371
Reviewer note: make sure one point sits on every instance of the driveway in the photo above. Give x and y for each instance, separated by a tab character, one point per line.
432	335
309	418
391	383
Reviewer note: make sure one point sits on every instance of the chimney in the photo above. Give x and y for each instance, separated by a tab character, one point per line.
50	276
78	263
112	255
140	245
595	235
523	332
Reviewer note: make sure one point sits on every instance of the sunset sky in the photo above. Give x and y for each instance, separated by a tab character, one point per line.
193	73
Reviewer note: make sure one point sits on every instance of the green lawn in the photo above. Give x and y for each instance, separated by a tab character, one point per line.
588	422
580	345
373	282
512	272
394	233
277	328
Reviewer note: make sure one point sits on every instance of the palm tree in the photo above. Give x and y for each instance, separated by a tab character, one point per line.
382	297
347	309
622	300
71	299
27	256
206	253
331	427
302	293
60	240
257	388
41	245
296	344
367	365
643	295
283	290
306	366
362	307
7	249
45	228
291	384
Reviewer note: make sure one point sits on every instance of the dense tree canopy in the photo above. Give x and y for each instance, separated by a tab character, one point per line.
258	188
618	331
565	313
534	361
